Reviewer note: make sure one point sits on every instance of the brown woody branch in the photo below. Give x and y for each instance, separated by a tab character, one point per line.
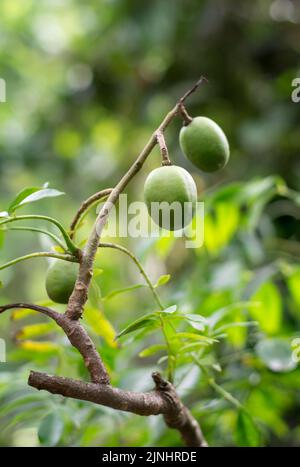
163	400
77	336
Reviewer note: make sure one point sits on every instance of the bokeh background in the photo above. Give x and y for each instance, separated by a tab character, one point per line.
86	84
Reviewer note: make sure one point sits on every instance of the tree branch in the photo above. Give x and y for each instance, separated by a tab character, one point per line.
80	293
77	336
41	309
163	400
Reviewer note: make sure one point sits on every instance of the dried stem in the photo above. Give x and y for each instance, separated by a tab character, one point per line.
163	148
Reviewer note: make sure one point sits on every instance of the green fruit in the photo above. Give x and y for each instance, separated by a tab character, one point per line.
60	280
173	187
204	144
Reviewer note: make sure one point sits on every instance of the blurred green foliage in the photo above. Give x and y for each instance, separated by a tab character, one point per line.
87	82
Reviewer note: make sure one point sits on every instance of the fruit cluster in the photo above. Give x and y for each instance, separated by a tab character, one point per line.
205	145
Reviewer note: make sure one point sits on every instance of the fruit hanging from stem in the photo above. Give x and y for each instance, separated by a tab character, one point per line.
204	143
60	280
170	195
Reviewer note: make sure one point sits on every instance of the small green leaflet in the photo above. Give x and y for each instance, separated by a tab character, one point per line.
162	280
114	293
194	336
30	195
152	350
171	309
142	322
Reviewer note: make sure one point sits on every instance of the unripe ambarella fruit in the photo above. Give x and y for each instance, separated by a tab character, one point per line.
60	280
204	144
175	191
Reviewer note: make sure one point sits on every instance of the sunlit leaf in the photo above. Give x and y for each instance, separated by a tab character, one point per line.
193	336
22	313
32	194
268	311
100	325
162	280
171	309
34	330
40	347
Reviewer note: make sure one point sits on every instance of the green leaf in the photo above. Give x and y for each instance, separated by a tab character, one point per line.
50	430
247	433
171	309
30	195
114	293
23	194
268	311
142	322
162	280
4	214
194	336
196	321
152	350
276	354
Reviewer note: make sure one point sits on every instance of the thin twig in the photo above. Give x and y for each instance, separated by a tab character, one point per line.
28	306
40	254
45	232
71	246
140	267
100	195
